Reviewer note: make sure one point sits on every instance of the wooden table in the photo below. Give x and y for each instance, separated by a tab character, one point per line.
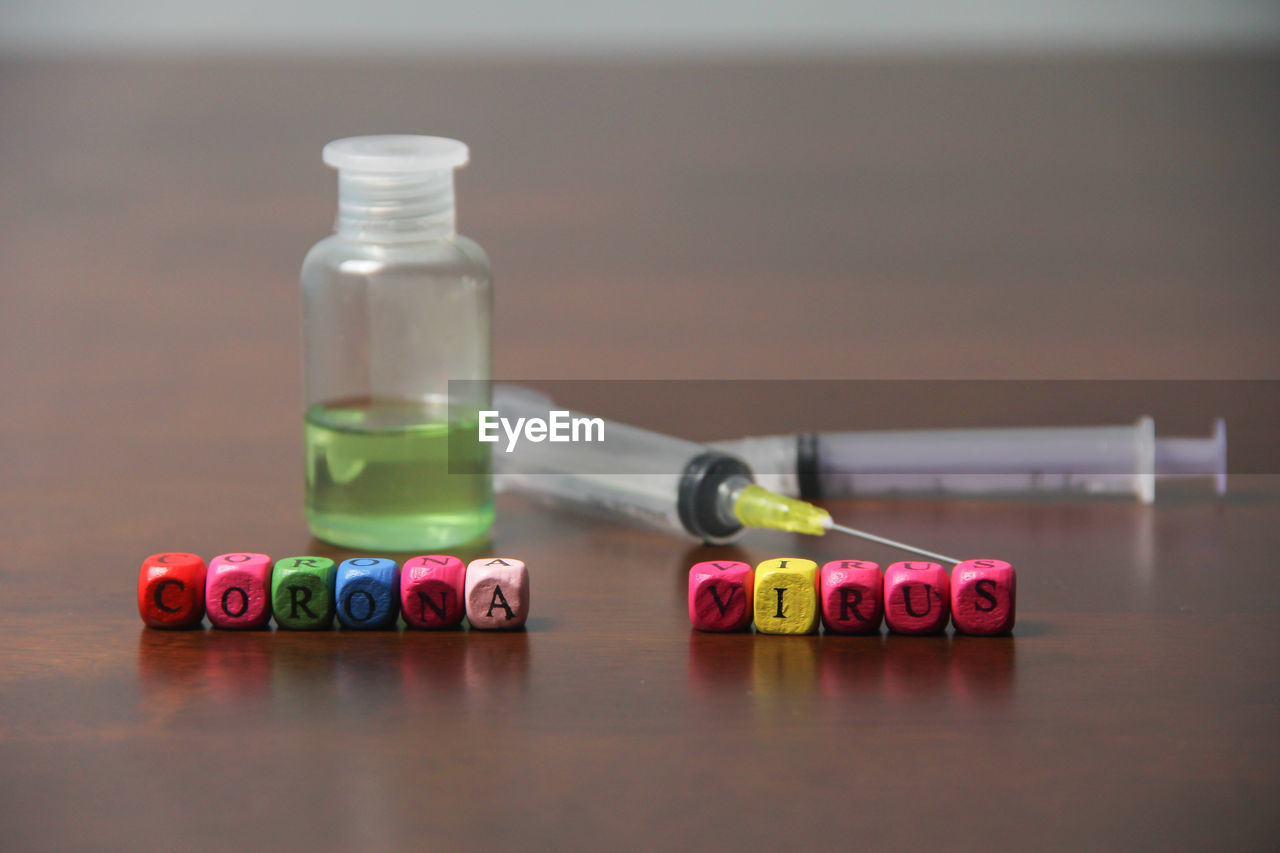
888	219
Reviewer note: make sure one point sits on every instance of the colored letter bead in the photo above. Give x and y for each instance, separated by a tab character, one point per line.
720	595
368	592
302	593
983	597
786	599
917	598
171	590
852	597
431	590
497	593
238	590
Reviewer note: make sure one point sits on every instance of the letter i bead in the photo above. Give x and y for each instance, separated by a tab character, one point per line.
237	591
852	597
720	595
367	593
917	598
497	593
431	590
786	599
983	597
171	590
302	593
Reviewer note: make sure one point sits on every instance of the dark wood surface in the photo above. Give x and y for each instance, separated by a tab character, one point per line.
1084	218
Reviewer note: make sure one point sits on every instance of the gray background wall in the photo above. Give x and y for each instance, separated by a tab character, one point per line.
581	26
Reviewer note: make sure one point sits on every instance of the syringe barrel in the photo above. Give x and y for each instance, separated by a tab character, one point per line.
633	473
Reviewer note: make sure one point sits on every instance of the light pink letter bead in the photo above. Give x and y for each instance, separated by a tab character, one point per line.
917	598
720	595
852	597
497	593
237	591
431	589
983	597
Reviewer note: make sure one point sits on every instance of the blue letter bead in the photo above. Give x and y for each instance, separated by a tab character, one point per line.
368	593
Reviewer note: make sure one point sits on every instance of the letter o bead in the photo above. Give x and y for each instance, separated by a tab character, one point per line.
497	593
983	597
852	596
917	598
721	593
431	591
237	591
367	593
171	590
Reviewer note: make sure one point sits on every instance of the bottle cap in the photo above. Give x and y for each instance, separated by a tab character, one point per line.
396	154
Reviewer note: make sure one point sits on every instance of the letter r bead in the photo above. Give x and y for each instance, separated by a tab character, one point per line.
852	597
497	593
983	597
721	593
171	590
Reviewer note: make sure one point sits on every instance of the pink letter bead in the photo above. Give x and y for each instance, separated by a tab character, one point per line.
852	597
917	598
237	591
983	597
171	590
720	595
497	593
431	589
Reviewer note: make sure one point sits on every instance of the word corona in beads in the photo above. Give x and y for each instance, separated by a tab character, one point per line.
789	595
245	591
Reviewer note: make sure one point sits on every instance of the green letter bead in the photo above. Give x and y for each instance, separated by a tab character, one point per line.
302	593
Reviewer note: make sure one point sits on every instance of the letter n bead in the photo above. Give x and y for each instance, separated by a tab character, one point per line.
237	591
431	590
786	600
917	598
720	595
367	593
983	597
852	597
497	593
171	590
302	593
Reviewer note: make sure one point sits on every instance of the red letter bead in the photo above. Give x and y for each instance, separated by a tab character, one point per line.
721	593
171	590
917	598
497	593
238	591
983	597
852	597
431	589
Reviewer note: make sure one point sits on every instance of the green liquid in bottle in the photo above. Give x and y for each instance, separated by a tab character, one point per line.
396	476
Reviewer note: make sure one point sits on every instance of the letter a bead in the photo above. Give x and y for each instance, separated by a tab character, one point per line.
302	593
431	590
852	597
367	593
786	599
171	590
983	597
917	598
720	595
497	593
237	591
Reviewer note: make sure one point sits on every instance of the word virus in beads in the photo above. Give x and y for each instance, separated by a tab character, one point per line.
789	595
240	591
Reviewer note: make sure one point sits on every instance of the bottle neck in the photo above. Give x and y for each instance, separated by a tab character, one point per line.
384	208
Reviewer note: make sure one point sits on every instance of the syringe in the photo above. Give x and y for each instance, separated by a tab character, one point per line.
1099	460
666	482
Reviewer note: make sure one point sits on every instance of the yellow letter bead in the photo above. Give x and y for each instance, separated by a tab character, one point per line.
787	596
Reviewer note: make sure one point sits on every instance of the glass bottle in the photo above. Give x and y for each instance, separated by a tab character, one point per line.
397	306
